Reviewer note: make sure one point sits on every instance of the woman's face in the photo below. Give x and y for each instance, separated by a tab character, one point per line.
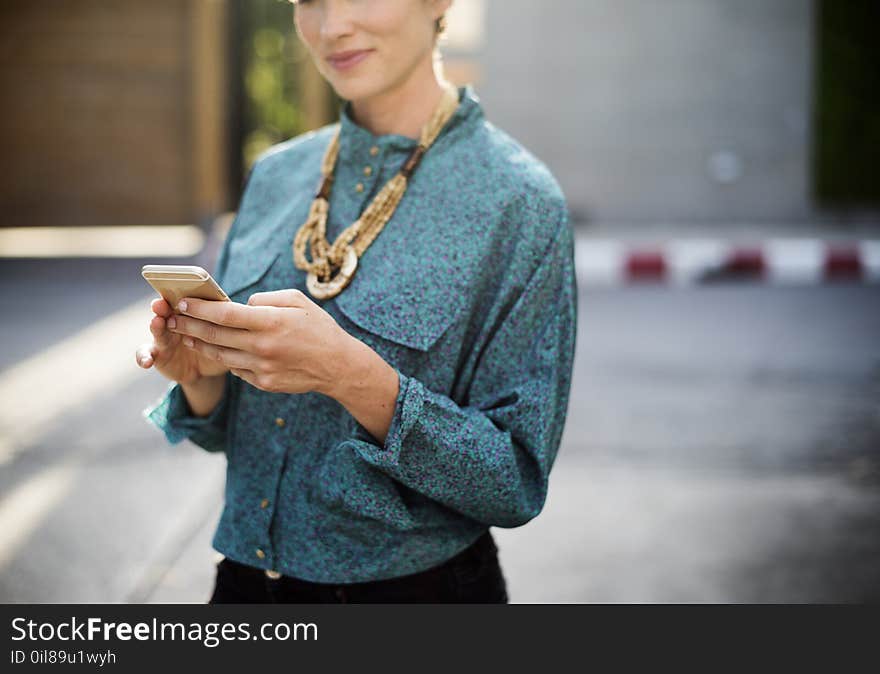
392	38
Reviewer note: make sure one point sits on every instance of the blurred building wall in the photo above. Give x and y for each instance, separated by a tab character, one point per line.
673	111
115	112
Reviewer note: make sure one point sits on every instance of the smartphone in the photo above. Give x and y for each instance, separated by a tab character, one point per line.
176	281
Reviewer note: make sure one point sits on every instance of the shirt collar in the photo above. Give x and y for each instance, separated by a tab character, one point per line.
355	141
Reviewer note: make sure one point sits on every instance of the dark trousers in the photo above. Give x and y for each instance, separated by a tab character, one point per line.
472	576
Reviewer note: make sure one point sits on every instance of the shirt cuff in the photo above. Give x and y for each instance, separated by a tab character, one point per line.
407	410
172	415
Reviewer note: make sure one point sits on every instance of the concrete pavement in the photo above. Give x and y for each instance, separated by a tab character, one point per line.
723	444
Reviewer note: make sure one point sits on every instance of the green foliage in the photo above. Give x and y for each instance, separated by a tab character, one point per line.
847	156
271	63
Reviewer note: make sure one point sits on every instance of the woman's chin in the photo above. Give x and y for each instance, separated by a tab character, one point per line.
355	88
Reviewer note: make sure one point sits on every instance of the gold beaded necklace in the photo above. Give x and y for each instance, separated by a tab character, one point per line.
322	282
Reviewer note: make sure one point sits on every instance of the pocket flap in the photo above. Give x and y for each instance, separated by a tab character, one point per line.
253	251
410	298
251	265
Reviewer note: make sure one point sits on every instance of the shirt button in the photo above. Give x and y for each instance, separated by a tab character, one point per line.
368	171
279	422
261	554
273	575
264	503
359	187
374	151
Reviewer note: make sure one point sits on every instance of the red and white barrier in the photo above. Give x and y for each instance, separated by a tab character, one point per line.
688	261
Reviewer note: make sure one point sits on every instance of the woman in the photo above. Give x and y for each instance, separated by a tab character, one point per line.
392	376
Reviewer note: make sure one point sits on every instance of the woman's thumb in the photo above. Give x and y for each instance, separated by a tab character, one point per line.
146	355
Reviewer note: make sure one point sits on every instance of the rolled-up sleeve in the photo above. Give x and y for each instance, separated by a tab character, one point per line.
172	415
491	459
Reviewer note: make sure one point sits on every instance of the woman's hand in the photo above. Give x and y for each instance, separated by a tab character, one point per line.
279	341
168	354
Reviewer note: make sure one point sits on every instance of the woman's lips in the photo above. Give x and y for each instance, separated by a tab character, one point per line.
348	59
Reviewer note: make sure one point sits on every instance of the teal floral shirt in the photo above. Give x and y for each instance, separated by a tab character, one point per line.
469	292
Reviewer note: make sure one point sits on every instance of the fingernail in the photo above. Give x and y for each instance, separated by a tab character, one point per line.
172	322
181	306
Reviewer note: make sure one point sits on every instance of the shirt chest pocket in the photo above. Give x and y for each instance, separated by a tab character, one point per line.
258	264
255	249
404	314
398	305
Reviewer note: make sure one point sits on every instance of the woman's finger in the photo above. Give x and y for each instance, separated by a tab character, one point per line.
161	308
246	375
229	357
145	356
160	331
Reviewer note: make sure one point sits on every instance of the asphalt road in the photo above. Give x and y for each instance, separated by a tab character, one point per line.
722	444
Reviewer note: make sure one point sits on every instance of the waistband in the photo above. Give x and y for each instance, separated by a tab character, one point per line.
476	553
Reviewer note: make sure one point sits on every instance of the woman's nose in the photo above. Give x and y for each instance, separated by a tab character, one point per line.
336	19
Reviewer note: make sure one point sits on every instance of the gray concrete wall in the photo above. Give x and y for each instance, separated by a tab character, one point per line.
660	110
